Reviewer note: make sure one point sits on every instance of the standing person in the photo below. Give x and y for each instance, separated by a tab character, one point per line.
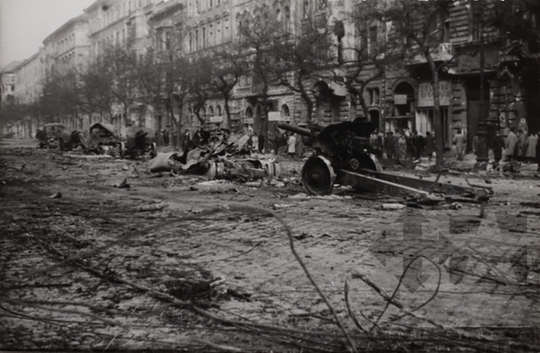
277	138
497	145
283	142
538	153
261	143
461	143
254	142
522	143
530	148
187	140
475	142
430	145
291	143
402	147
415	145
511	144
389	145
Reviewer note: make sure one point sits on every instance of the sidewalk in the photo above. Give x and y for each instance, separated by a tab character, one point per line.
468	164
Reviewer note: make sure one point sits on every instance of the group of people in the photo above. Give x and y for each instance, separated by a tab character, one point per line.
522	146
278	143
403	144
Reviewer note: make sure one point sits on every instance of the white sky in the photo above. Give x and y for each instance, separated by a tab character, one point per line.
24	24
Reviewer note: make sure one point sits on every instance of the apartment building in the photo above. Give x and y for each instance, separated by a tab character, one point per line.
68	46
29	76
118	22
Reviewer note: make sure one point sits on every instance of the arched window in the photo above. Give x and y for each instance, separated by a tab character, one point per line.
285	113
218	110
210	111
249	112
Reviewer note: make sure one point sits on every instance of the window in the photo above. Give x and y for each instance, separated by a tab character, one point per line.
373	96
210	35
211	3
167	40
204	37
226	28
197	40
218	110
285	113
474	26
372	39
190	41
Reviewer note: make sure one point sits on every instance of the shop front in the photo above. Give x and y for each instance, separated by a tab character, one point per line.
424	112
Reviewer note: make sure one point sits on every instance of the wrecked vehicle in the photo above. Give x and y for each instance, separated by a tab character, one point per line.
222	157
343	156
101	138
140	141
55	135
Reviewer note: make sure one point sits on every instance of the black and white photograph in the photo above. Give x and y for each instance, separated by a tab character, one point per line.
270	176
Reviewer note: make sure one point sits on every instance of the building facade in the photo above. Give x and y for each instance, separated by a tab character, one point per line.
29	77
68	46
478	84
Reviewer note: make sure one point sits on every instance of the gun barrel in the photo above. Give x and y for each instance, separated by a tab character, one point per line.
296	129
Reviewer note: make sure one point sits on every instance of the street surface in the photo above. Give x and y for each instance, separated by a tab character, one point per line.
180	262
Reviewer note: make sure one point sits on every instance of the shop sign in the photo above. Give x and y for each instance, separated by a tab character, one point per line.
216	119
425	94
400	99
274	116
248	121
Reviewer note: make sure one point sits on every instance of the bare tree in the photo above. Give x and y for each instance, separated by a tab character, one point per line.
229	66
301	57
199	79
368	58
259	31
420	25
96	92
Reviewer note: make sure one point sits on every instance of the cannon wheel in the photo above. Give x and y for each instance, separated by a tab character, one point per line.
365	161
153	150
318	176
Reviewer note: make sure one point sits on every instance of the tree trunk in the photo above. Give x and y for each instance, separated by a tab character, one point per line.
437	119
178	127
227	124
307	99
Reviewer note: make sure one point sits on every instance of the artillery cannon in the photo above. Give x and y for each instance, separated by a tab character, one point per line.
343	146
344	156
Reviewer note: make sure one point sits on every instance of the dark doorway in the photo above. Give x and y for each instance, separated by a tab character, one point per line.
375	119
473	106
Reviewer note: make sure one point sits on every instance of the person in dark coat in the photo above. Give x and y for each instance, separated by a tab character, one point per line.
497	145
430	145
538	154
261	143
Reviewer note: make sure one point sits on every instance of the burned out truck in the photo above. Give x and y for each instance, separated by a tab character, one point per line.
343	155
